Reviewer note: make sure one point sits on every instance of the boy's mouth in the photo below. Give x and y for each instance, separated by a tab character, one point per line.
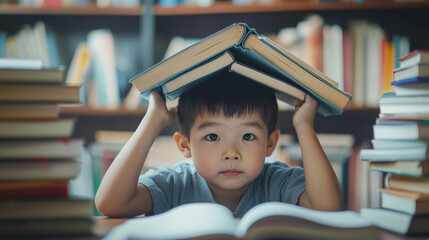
231	173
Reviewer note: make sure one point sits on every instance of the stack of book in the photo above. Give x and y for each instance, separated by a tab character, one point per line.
400	151
38	157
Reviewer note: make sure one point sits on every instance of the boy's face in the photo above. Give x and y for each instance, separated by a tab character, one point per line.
230	152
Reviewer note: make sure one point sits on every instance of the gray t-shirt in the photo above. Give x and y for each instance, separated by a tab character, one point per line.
171	187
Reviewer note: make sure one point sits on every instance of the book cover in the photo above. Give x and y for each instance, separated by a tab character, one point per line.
72	207
411	80
101	49
44	75
189	57
409	168
399	154
47	228
41	149
20	63
37	128
394	144
173	89
390	103
414	57
405	201
419	70
34	189
408	183
411	89
388	63
54	93
38	170
406	131
28	110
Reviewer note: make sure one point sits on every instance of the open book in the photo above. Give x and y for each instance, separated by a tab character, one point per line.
255	51
268	220
284	91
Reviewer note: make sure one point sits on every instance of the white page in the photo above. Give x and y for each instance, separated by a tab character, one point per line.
339	219
189	220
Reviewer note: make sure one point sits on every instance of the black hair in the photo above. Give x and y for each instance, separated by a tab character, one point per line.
229	94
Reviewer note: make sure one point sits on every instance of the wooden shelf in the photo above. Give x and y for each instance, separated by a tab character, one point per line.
93	111
285	6
92	9
216	8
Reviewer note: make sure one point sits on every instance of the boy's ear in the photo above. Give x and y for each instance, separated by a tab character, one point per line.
272	141
182	143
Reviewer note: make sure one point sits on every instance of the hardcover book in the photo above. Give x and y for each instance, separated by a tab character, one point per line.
415	57
40	149
44	75
408	183
53	93
410	168
31	170
72	207
37	128
255	51
405	201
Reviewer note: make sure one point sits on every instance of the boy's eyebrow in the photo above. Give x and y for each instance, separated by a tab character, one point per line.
254	124
207	124
250	124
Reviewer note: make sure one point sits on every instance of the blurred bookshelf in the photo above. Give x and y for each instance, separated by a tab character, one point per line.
142	40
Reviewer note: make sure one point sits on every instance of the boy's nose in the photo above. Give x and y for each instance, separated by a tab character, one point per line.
231	154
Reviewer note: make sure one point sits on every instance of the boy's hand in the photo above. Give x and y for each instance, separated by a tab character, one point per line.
158	109
305	112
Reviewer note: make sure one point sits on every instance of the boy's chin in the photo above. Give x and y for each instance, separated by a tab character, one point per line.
234	185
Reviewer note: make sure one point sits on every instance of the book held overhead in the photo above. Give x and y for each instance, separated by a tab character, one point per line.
245	48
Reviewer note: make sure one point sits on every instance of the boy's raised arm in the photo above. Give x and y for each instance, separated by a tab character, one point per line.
119	194
322	186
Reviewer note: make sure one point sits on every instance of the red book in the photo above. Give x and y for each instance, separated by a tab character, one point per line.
413	58
33	189
348	62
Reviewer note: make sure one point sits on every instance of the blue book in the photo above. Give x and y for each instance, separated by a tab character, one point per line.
411	80
253	50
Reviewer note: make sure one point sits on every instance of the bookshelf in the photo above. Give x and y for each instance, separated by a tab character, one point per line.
142	34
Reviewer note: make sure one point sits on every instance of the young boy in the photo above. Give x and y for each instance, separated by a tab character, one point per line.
227	126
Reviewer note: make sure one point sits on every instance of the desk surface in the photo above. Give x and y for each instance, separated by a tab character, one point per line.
104	224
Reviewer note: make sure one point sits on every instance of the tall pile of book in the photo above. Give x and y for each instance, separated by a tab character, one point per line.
38	157
400	150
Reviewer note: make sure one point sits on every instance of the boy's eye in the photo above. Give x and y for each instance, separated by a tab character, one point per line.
248	136
212	137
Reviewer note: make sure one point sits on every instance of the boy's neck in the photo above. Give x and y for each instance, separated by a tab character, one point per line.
229	198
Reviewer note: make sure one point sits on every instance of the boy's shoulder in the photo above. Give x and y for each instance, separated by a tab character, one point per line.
183	167
280	168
